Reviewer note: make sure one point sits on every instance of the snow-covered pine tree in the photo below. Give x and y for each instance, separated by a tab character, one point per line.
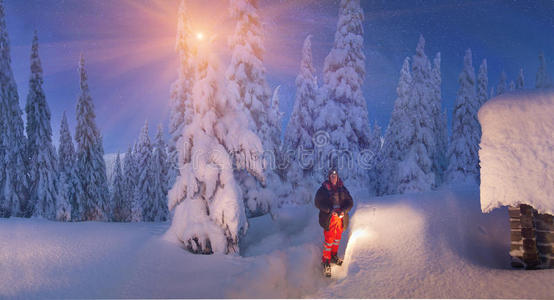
416	170
144	189
397	136
482	84
129	183
274	118
520	80
542	79
342	110
512	86
376	135
135	207
280	188
67	172
13	164
5	210
44	193
300	128
209	214
156	209
93	191
63	210
248	87
120	214
440	162
493	93
136	210
463	154
501	87
181	90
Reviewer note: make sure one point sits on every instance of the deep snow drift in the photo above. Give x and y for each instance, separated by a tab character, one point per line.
436	244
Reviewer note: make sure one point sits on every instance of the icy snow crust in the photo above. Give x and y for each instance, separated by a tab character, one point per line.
431	245
517	151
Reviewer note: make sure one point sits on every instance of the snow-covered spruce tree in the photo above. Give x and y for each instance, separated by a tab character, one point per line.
248	87
135	207
93	192
156	207
5	210
209	213
274	117
44	192
376	135
136	210
520	80
69	182
416	168
542	79
181	90
342	110
397	136
501	87
512	86
300	128
439	118
482	84
13	178
144	189
129	183
463	156
118	193
411	159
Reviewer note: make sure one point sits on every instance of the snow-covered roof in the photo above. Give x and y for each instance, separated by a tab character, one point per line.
517	150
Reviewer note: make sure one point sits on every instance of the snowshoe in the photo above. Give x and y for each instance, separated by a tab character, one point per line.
336	260
326	268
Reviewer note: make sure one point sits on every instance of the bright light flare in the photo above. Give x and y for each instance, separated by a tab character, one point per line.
200	36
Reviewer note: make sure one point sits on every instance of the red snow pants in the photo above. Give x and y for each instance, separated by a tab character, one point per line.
332	238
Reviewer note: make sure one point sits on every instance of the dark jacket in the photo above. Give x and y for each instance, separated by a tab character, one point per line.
323	202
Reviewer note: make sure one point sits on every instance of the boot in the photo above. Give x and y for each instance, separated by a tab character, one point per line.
326	268
336	260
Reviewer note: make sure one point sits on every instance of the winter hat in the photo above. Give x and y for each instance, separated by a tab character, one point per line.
332	171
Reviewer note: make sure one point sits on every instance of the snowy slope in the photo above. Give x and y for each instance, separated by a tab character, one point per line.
437	244
433	245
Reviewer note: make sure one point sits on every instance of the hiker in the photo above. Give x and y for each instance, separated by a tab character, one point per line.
334	202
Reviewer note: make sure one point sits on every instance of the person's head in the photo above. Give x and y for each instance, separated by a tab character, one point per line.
333	176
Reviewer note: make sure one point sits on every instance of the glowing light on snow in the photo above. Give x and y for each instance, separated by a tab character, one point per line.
357	239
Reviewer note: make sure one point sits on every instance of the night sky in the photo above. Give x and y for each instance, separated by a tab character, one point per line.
129	49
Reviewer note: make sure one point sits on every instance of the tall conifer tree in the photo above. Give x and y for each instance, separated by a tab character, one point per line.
156	209
248	87
181	90
91	167
44	184
69	181
342	119
463	154
13	159
300	129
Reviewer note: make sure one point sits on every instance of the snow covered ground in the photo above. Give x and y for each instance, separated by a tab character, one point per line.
432	245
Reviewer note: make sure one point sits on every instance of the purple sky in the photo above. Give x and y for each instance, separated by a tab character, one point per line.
129	49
